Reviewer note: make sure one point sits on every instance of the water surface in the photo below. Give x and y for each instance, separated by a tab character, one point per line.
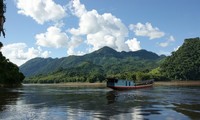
45	102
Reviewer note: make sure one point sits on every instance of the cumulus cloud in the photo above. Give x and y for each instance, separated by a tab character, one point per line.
19	53
167	42
41	10
133	44
146	30
89	23
74	42
77	8
100	30
164	44
54	37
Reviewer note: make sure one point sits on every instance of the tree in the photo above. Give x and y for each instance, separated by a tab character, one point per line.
9	73
1	45
184	64
142	76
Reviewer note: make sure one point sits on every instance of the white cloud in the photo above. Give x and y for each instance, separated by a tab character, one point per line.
89	23
167	42
133	44
41	10
100	30
54	37
164	44
175	49
73	43
146	30
77	8
171	38
19	53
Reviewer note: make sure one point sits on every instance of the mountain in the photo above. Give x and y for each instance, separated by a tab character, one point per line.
35	66
109	52
104	52
91	67
100	57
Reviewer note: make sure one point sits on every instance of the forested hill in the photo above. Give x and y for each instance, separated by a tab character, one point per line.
184	64
9	73
105	61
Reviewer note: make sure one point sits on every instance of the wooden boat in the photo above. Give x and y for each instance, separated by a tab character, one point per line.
120	84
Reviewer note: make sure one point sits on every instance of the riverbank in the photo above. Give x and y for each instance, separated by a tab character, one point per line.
84	84
72	84
178	83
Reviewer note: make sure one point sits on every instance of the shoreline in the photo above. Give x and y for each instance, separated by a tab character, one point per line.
72	84
10	85
177	83
103	84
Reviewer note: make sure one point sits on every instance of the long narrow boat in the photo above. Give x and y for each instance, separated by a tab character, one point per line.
120	84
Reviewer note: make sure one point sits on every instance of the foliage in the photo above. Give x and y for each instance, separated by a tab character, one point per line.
1	45
86	72
184	64
9	72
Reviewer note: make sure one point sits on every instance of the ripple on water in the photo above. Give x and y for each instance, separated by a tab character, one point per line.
53	102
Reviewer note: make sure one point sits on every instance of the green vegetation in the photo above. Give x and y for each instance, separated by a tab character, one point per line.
9	73
184	64
1	45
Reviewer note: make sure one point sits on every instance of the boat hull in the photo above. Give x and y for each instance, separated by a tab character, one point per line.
130	87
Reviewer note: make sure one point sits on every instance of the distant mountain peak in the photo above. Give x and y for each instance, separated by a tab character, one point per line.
106	49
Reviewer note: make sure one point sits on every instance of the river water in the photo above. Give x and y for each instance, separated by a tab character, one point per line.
51	102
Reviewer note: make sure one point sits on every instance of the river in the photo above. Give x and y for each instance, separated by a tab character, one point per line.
54	102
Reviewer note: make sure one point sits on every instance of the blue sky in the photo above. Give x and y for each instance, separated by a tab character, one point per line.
59	28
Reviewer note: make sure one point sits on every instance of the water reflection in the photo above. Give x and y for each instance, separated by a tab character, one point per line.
54	102
193	111
134	101
118	96
8	97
